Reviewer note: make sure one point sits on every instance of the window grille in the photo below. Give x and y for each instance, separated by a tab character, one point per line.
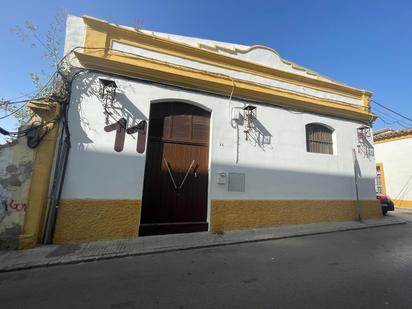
378	182
319	138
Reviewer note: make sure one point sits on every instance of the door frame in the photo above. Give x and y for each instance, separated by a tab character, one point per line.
197	104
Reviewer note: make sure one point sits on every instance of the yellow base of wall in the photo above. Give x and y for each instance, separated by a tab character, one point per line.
403	203
244	214
27	241
81	220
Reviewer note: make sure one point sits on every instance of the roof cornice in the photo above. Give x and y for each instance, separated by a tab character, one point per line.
158	71
102	34
392	136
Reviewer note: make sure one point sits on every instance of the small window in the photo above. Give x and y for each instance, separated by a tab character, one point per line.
319	138
380	179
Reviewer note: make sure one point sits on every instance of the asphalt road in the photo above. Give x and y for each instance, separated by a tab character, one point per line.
357	269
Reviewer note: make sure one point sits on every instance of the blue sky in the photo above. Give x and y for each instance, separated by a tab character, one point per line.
366	44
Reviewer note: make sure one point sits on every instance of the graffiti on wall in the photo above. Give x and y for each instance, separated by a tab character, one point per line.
17	206
6	207
11	181
15	174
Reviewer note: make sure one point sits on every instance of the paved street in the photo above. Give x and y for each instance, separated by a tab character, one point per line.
369	268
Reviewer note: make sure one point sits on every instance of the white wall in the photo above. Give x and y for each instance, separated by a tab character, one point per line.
396	157
235	74
74	37
280	169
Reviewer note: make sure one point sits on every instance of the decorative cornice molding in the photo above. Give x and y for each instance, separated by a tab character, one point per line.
101	34
155	70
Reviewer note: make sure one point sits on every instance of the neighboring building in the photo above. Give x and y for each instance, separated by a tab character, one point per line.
393	152
16	161
172	134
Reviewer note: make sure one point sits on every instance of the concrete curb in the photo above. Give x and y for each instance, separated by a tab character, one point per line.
208	240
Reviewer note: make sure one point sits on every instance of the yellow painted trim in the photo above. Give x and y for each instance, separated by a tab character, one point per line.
141	67
41	173
366	100
383	181
27	241
37	199
47	110
403	203
246	214
82	220
101	34
392	138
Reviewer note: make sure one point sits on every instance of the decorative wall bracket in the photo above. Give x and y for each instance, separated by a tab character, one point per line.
121	129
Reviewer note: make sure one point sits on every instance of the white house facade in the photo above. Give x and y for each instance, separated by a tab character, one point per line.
175	134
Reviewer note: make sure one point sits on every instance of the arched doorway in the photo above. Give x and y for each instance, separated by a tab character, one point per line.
176	174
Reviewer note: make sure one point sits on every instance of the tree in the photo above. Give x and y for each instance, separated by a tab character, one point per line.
50	43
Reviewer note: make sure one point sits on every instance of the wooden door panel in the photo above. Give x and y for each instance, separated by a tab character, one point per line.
176	175
158	188
191	193
200	129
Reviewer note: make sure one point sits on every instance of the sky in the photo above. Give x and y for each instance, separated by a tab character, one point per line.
366	44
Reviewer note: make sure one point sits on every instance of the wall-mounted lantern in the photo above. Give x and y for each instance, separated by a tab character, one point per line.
364	133
107	93
364	146
249	114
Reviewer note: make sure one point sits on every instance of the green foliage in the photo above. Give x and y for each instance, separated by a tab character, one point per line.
19	112
50	43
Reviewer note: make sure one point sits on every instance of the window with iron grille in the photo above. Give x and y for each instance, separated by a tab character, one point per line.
319	138
378	180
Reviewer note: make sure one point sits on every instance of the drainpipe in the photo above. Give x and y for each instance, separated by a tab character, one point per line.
355	170
60	166
58	179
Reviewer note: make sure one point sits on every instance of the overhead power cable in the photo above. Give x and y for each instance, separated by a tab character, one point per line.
382	114
13	112
9	102
14	102
21	96
391	110
390	123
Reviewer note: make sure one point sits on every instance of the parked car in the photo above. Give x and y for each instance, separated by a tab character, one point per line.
386	203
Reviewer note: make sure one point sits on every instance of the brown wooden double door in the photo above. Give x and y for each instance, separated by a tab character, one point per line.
176	175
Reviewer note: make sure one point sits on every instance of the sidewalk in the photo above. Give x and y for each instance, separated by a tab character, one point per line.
49	255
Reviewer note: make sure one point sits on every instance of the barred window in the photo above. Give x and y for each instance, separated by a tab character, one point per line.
319	138
379	181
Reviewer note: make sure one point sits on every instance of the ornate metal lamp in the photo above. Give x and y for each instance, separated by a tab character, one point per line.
249	114
364	133
107	93
364	146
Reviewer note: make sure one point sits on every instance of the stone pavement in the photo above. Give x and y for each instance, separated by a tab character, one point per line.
50	255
